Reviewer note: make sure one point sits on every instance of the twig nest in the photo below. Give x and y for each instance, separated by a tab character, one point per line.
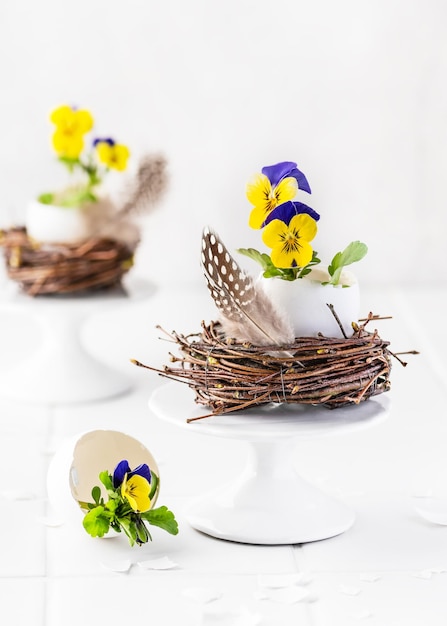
306	303
227	375
63	268
54	224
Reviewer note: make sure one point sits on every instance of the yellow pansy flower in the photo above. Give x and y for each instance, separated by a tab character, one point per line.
136	490
112	154
265	197
71	126
290	243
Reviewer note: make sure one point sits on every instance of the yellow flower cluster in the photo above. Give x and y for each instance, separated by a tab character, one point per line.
68	138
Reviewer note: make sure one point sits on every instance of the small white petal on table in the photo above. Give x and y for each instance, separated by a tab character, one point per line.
349	591
285	595
433	510
369	578
162	563
202	595
121	567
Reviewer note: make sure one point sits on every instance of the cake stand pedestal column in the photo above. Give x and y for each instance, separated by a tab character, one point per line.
269	503
61	370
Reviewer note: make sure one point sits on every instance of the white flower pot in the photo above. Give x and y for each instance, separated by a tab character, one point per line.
53	224
305	302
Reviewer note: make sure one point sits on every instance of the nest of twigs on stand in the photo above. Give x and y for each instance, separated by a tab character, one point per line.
43	268
227	376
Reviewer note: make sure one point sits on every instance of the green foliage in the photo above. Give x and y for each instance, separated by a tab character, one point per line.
117	514
97	522
354	252
270	270
163	518
106	480
46	198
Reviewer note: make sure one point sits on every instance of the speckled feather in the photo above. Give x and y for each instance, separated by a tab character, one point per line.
246	312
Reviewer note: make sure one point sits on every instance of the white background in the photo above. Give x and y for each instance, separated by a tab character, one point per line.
353	91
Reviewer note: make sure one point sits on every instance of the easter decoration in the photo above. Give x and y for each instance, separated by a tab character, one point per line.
77	239
131	495
293	334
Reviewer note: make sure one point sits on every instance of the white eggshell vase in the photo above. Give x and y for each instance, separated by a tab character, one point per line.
54	224
305	301
74	469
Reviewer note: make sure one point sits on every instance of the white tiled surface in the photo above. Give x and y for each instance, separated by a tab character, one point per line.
386	570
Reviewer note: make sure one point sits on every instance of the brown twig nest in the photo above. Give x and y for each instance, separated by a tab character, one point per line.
42	268
228	376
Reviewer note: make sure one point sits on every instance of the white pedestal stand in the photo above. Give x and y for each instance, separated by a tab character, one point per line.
62	371
269	503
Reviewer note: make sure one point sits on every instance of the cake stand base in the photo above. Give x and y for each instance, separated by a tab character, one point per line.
269	503
62	371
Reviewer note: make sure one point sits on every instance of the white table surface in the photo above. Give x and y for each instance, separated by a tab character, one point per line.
389	569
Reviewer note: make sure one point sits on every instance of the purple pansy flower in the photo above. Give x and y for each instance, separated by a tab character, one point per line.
108	140
123	468
287	210
275	173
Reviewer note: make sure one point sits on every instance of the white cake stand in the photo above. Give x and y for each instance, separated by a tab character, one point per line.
269	503
61	370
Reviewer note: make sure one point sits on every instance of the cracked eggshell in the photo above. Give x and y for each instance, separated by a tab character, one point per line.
54	224
305	302
74	470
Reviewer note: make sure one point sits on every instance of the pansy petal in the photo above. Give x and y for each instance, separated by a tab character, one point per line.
257	217
67	145
142	470
119	472
107	140
287	210
84	120
136	491
61	115
275	173
285	190
283	258
258	190
114	156
304	225
301	180
272	233
120	156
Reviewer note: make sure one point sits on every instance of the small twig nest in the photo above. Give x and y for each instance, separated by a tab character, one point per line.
228	376
42	268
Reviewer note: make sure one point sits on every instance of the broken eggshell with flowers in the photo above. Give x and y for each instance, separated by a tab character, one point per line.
106	457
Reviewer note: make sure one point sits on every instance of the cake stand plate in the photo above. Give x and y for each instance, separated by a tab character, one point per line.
269	503
61	370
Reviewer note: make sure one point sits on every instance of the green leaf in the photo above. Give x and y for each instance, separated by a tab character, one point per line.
354	252
143	535
46	198
96	522
154	484
96	494
263	259
106	480
163	518
112	505
129	528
